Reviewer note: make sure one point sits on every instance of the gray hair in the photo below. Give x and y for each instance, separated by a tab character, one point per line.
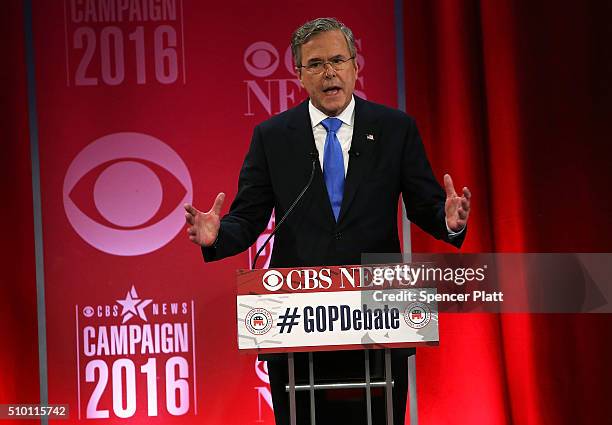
316	26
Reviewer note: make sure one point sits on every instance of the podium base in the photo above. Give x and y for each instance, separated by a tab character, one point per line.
368	384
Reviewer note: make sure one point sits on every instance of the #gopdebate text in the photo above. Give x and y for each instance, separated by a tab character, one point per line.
342	317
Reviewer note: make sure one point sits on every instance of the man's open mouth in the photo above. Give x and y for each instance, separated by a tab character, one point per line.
331	90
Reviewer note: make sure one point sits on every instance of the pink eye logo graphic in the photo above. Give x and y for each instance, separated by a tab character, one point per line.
261	59
127	194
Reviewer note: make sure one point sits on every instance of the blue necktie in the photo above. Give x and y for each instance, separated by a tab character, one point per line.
333	164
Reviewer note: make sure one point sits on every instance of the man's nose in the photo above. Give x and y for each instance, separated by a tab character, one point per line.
329	70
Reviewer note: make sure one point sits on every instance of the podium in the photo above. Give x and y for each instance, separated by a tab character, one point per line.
312	309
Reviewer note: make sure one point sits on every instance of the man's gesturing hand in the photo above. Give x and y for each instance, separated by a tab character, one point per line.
203	228
457	207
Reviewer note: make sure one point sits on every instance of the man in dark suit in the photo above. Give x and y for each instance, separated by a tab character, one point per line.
363	155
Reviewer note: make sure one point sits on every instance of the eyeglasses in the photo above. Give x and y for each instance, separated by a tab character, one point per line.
338	64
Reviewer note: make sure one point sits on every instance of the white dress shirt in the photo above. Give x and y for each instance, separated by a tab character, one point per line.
344	133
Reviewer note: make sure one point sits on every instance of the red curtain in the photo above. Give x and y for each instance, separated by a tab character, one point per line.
512	99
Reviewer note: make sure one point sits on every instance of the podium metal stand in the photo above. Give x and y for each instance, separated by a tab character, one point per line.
368	384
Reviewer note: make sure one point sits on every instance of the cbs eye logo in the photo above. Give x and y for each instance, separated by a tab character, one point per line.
88	311
262	59
126	216
272	280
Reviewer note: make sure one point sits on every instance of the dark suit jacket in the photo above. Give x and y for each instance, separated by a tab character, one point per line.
386	159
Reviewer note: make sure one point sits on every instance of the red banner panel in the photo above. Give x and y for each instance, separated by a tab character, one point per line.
144	106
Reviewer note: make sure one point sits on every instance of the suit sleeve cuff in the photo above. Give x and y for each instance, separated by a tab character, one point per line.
452	234
210	252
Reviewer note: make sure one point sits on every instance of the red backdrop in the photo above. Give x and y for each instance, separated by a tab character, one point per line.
510	99
513	99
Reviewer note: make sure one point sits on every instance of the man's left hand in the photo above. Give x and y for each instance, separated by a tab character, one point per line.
457	207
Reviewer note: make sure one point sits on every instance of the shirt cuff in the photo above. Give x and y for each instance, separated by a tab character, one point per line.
451	234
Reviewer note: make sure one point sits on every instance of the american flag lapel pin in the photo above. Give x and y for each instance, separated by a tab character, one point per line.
370	137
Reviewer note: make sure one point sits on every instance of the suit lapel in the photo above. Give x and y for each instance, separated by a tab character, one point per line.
363	145
300	128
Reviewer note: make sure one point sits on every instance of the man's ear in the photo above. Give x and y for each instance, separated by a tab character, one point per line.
298	73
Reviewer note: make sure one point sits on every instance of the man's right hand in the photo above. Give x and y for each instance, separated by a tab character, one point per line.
203	228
